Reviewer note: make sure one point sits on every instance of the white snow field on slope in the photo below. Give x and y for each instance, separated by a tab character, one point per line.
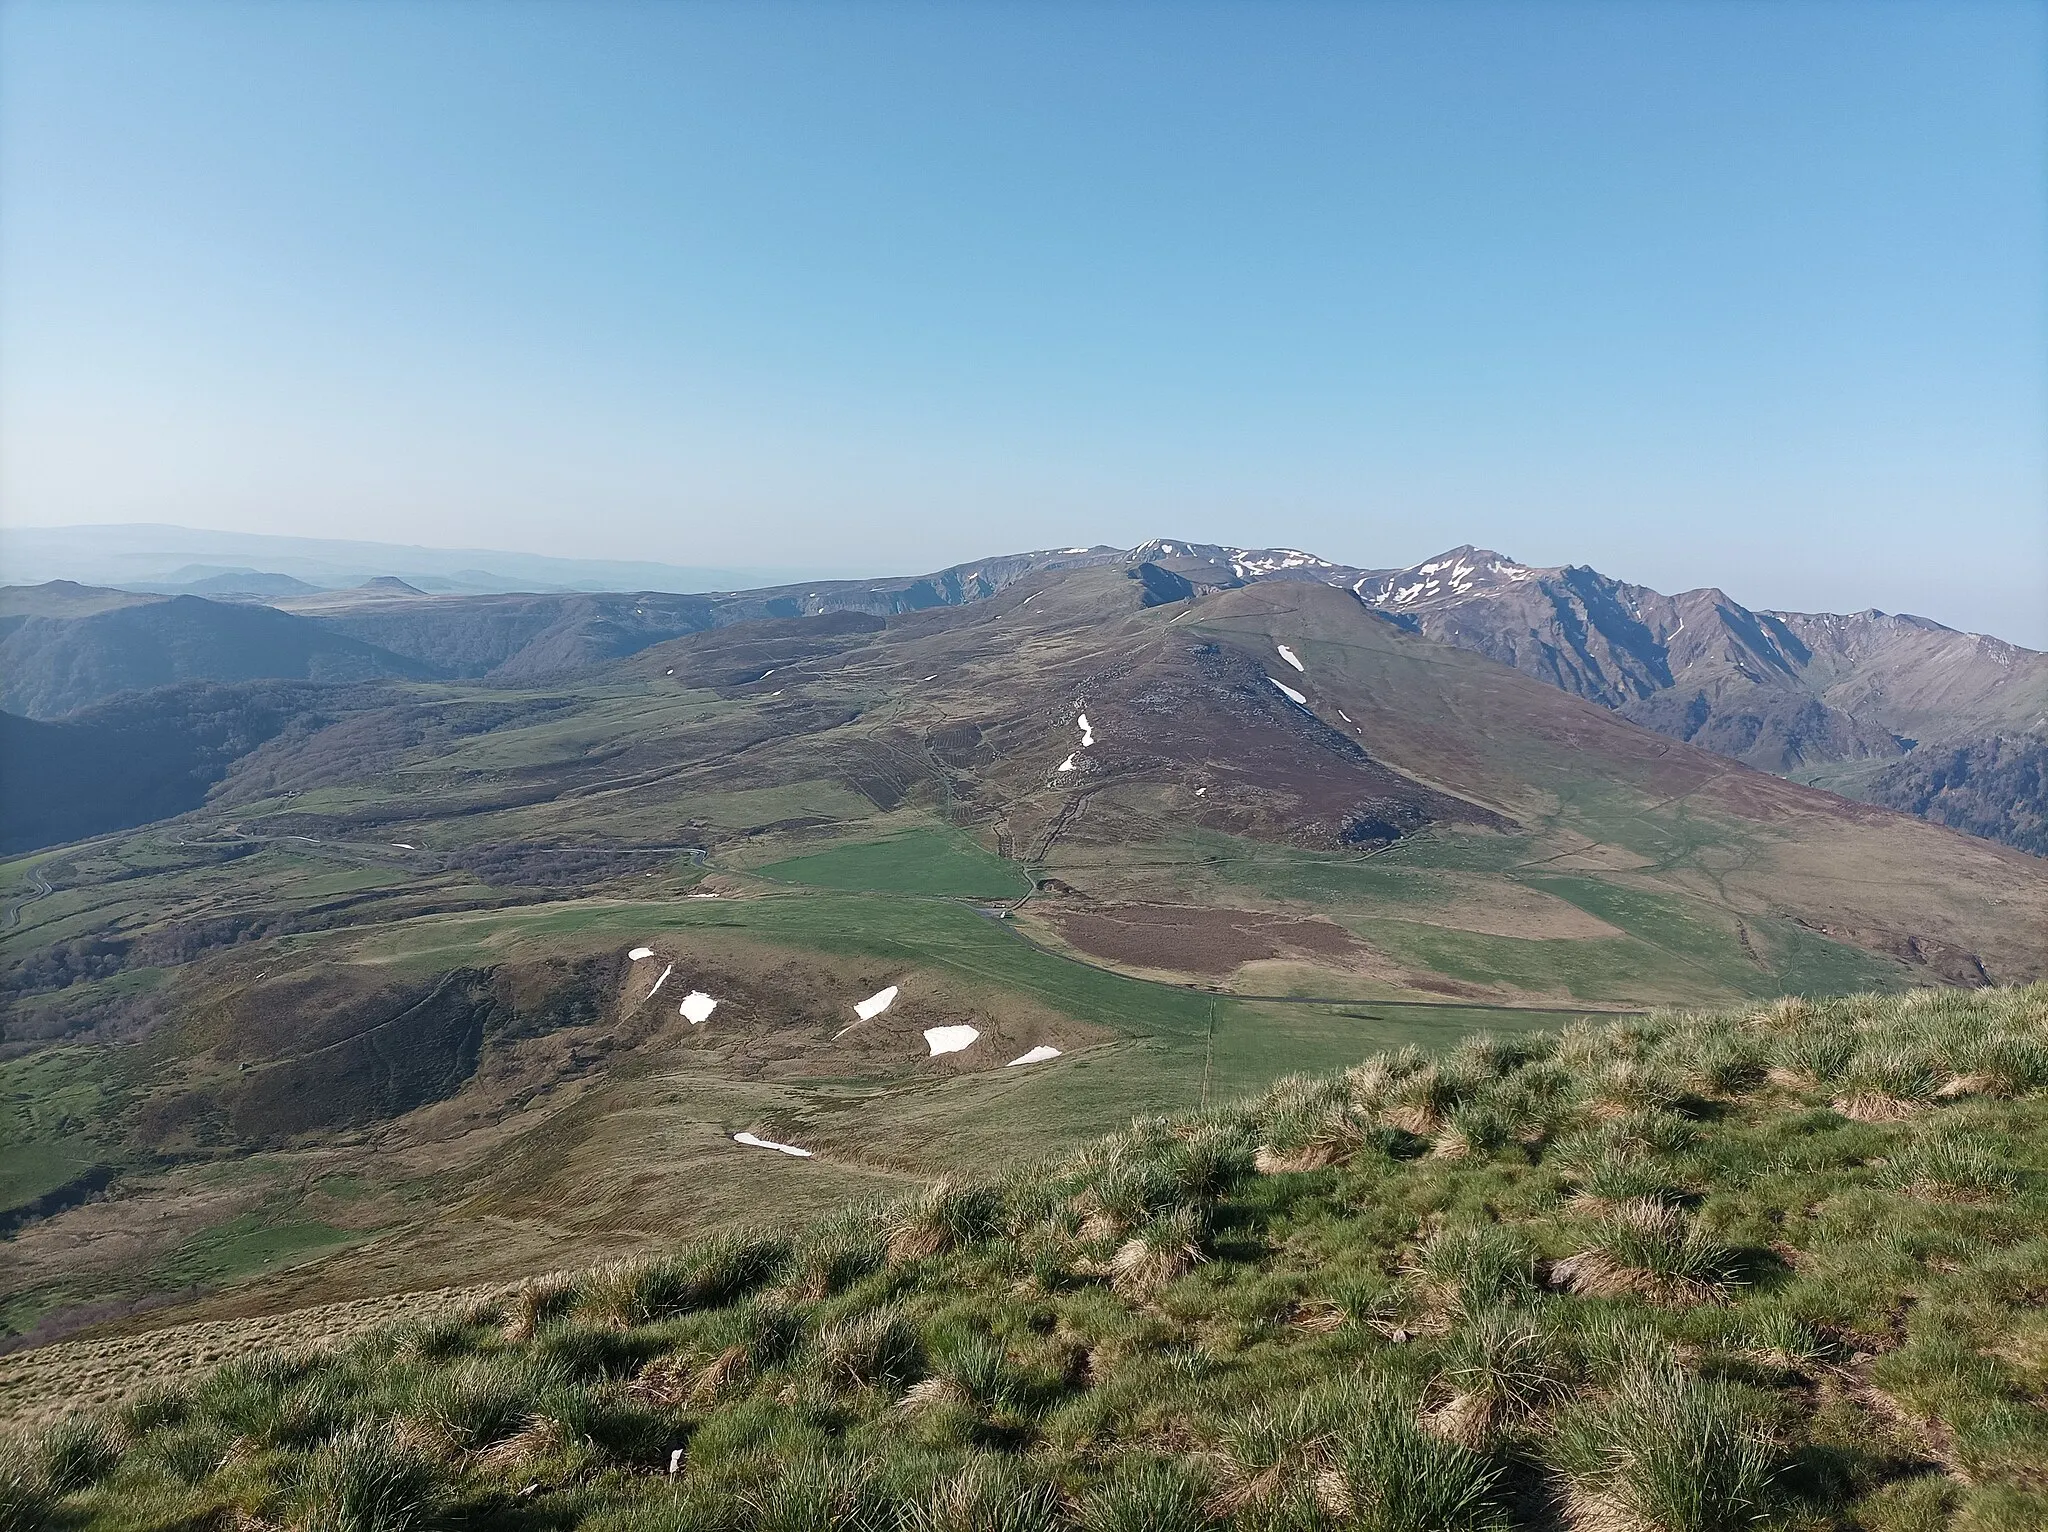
875	1004
1037	1055
1292	694
661	981
698	1006
640	952
1087	733
1291	657
764	1143
1067	764
951	1039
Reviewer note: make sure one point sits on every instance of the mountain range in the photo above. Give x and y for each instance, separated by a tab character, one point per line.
1891	709
406	941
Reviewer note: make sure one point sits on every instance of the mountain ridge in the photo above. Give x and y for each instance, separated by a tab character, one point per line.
1822	697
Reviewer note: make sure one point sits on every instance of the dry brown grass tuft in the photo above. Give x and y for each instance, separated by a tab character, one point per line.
929	1393
728	1369
541	1437
1163	1251
1875	1106
533	1303
1412	1117
1583	1511
1646	1249
1968	1085
1268	1161
72	1376
1469	1419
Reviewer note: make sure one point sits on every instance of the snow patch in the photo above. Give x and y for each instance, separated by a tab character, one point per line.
951	1039
1067	764
698	1006
1291	657
1087	734
640	952
694	896
1292	694
875	1004
404	845
1200	790
1037	1055
661	981
763	1143
1343	715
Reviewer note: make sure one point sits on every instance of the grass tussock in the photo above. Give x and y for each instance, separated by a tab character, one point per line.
1782	1268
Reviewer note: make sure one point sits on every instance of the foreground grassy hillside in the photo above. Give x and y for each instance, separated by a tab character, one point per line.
1781	1267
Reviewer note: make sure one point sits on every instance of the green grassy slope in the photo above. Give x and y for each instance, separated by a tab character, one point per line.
1775	1268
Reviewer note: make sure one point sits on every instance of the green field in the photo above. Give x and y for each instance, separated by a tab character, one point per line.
247	1245
54	1121
939	863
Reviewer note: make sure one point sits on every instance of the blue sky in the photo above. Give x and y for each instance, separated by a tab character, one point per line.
1737	294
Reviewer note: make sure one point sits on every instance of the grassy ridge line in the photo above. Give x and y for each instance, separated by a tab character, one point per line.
1782	1267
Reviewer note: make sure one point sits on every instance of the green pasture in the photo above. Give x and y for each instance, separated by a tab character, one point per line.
937	862
54	1110
245	1245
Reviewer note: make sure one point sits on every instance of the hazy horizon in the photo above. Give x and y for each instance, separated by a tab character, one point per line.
1747	297
440	559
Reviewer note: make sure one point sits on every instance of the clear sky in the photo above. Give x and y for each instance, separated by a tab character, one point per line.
1723	293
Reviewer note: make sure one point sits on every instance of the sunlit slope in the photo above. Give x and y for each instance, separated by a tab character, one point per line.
1648	807
412	926
1773	1268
